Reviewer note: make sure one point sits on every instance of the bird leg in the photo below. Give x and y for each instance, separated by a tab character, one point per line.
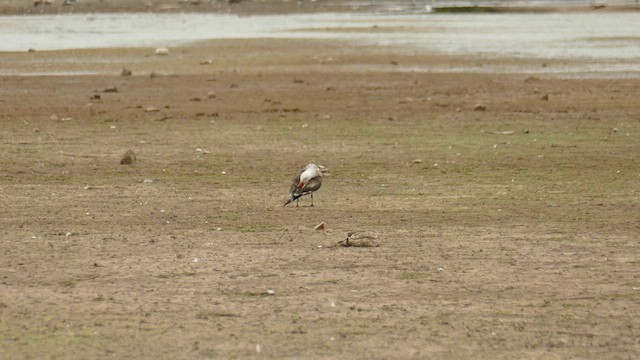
311	199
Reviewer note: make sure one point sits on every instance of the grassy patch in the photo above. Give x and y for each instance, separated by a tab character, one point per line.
412	276
210	314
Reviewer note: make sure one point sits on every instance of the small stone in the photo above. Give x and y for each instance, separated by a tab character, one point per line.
417	161
54	117
128	158
147	181
271	292
206	62
212	95
545	97
96	97
162	51
126	72
151	109
320	226
110	89
195	99
31	50
480	107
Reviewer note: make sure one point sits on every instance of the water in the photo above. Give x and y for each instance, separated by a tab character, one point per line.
607	37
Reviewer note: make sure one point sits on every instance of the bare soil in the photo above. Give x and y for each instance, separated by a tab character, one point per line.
515	236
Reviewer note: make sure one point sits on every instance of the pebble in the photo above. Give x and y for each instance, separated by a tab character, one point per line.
128	158
162	51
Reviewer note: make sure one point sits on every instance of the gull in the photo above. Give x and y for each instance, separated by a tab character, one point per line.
306	182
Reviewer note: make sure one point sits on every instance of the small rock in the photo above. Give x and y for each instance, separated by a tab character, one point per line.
153	75
417	161
96	97
320	226
147	181
531	79
206	62
54	117
196	99
126	72
271	292
151	109
31	50
212	95
128	158
110	89
162	51
545	97
480	107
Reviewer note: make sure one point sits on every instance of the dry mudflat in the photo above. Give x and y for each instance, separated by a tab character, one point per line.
507	207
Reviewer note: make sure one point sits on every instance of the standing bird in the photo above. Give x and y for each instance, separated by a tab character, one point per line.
306	182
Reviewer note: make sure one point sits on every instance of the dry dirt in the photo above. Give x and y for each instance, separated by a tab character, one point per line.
516	237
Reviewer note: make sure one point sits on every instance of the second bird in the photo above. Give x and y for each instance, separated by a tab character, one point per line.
306	182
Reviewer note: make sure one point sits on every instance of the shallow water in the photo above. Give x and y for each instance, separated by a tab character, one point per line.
606	37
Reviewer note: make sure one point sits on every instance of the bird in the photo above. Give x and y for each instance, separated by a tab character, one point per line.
306	182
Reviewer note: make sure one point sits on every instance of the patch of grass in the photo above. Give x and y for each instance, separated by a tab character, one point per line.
567	316
570	305
412	276
69	283
255	293
466	9
257	228
210	314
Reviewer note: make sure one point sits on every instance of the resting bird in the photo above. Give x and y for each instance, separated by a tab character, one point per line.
306	182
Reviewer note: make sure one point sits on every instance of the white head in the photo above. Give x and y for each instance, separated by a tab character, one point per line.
310	171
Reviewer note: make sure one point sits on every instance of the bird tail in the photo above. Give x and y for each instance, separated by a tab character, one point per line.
291	199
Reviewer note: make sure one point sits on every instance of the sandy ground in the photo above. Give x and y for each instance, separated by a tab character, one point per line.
515	237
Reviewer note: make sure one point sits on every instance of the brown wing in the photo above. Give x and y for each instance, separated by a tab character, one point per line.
313	185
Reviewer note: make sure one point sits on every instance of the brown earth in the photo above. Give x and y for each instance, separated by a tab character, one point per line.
516	237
